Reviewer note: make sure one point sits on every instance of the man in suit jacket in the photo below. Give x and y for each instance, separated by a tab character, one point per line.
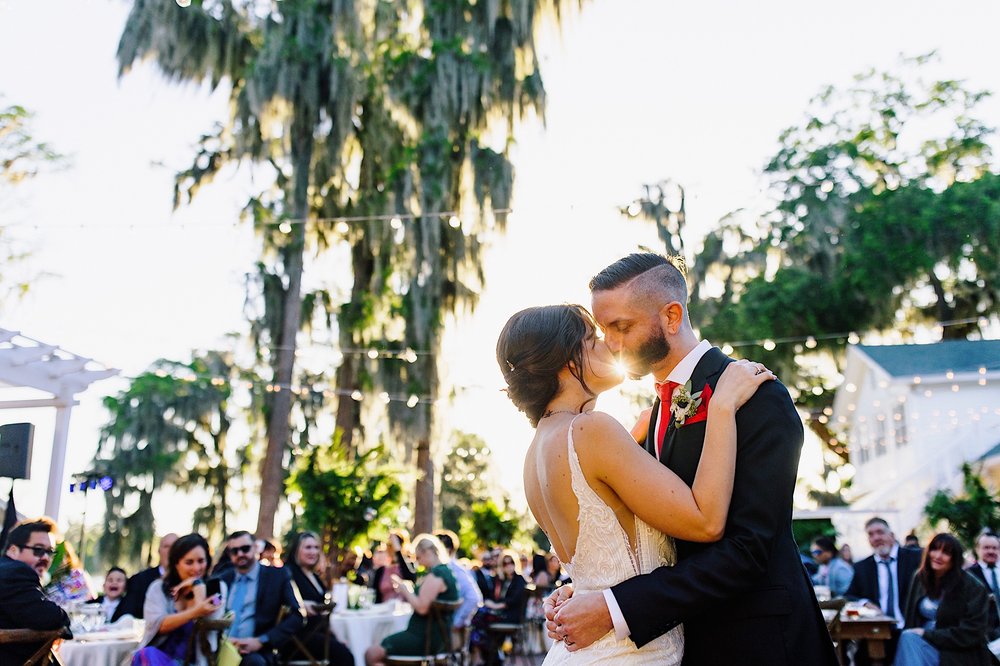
256	597
985	569
136	586
23	605
882	580
486	576
745	599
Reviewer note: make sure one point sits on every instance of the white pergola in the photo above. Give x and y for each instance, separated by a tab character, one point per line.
25	362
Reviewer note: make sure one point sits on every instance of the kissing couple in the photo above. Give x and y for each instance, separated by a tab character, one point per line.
680	547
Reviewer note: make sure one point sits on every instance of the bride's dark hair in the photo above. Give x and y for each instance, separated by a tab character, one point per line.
534	345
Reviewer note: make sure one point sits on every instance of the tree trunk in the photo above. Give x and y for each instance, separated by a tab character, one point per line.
423	513
272	469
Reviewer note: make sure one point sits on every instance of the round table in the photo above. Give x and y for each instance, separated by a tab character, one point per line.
84	652
361	629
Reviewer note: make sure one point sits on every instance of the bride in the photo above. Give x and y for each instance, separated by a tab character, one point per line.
603	502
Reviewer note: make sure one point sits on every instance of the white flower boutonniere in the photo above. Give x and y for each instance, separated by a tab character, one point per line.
684	404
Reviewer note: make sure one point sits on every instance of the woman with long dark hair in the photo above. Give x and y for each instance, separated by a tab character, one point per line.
946	611
303	559
174	602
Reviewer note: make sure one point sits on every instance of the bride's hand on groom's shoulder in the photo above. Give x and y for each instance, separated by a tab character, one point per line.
551	605
738	383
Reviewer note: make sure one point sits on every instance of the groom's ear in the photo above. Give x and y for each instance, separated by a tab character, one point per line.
671	317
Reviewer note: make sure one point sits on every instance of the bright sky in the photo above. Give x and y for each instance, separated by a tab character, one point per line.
637	92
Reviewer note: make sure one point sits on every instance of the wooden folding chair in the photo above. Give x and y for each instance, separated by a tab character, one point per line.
47	639
299	654
203	629
438	621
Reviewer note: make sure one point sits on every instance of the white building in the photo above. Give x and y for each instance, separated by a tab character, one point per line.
912	414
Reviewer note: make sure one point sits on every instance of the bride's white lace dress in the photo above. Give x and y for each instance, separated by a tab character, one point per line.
604	558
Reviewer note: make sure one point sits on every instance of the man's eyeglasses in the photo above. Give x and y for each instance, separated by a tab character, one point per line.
816	552
240	550
38	551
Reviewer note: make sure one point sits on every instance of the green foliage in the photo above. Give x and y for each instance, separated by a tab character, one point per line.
344	499
463	479
806	531
966	514
168	428
487	525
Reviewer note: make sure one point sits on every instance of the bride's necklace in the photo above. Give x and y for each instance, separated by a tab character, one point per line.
553	412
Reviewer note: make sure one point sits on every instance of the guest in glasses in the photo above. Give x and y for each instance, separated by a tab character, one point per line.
505	603
833	572
23	604
257	594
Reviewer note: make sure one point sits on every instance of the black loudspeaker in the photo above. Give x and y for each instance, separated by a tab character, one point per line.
15	450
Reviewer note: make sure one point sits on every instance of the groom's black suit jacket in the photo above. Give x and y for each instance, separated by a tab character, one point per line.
745	599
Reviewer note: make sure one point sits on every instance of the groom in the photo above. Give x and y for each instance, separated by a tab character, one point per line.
745	599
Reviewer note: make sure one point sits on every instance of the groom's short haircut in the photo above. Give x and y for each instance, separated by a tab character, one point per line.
626	269
652	278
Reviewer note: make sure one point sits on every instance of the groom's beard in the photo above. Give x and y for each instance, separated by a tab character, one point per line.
653	349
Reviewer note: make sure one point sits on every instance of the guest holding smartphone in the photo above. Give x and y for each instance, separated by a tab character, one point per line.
174	602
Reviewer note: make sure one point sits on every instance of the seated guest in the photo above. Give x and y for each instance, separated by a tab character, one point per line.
114	588
257	595
302	561
985	569
135	589
505	604
438	585
946	612
174	602
23	604
468	591
834	572
397	565
485	574
68	581
882	580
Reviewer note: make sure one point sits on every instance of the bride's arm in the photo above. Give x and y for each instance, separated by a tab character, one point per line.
652	491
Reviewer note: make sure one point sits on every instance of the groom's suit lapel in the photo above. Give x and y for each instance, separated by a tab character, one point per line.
705	373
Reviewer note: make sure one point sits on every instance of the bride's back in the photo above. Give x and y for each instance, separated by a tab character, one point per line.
594	534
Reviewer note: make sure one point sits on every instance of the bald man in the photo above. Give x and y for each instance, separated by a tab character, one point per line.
135	589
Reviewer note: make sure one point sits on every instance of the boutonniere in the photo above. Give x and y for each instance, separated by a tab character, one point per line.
690	407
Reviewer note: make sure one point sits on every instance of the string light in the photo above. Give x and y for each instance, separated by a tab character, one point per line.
341	224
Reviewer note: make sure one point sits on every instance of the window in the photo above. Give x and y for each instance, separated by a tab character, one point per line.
899	420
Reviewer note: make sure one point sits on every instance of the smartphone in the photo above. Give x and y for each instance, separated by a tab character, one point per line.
212	586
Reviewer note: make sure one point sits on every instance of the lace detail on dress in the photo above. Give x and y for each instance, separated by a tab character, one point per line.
602	558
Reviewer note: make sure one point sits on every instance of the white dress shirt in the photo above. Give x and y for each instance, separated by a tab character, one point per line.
682	375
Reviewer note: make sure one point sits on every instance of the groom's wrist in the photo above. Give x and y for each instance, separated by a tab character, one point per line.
617	619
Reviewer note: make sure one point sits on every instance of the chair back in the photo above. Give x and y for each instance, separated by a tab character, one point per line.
200	639
45	639
300	655
439	618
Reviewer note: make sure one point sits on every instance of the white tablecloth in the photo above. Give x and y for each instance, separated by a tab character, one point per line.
359	630
97	653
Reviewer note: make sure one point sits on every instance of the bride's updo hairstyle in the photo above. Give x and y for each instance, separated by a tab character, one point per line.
534	346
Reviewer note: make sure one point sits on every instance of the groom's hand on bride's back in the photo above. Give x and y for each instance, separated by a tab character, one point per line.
551	605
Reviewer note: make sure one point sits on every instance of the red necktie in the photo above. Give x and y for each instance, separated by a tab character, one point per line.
666	393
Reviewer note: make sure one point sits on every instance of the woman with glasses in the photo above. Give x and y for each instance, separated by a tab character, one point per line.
833	572
175	602
437	585
946	611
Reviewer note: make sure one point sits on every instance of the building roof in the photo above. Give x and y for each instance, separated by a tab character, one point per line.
957	356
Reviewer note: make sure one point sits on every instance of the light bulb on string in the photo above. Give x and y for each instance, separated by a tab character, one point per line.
454	222
396	223
373	354
342	227
183	3
285	227
356	395
412	401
